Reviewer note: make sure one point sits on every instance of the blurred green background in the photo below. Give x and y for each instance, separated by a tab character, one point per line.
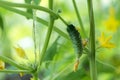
59	61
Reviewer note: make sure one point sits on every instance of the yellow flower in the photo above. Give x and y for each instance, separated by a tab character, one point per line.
20	52
104	42
2	65
111	23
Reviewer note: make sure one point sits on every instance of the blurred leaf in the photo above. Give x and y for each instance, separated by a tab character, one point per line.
1	23
51	52
37	2
101	66
81	74
78	75
28	1
105	67
117	10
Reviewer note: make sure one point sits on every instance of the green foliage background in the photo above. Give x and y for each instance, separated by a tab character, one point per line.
60	57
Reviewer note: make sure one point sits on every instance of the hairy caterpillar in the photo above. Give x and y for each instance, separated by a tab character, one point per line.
76	39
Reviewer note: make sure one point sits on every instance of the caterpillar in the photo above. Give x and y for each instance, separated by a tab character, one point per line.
76	39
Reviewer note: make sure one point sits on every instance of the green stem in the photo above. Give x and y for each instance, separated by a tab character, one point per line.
48	33
28	6
38	19
92	60
79	18
35	73
34	33
32	7
63	20
7	60
14	71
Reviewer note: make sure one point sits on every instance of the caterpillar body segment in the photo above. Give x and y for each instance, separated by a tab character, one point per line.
76	39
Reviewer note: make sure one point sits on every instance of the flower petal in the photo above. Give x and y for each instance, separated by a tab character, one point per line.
20	52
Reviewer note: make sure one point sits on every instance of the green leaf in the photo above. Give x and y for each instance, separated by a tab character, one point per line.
79	75
37	2
101	66
51	52
1	23
105	67
28	1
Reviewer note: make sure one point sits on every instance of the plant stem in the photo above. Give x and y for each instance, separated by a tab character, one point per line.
63	20
28	6
92	60
48	33
79	18
7	60
37	18
33	7
15	71
34	33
